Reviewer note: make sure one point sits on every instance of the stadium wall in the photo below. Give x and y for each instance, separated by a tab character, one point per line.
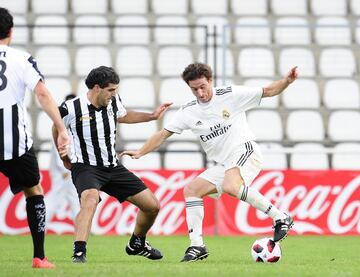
321	202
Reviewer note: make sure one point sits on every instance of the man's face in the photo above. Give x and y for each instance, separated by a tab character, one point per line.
202	89
105	94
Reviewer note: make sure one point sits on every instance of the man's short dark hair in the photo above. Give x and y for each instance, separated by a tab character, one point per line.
6	23
70	96
102	76
196	71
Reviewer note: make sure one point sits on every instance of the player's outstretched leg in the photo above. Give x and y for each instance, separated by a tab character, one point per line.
139	246
282	221
195	253
282	227
234	185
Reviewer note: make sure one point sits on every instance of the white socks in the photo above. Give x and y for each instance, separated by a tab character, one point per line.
258	201
194	219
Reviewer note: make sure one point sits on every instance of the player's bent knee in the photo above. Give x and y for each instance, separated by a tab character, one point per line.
89	203
226	187
154	208
89	199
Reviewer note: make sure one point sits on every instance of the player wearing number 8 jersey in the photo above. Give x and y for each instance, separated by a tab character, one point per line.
18	72
217	118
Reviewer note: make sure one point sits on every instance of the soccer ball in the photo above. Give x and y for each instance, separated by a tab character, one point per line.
265	250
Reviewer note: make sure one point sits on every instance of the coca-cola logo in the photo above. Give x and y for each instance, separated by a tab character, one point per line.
310	205
111	216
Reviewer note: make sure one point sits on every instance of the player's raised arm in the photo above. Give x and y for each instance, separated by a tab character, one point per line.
49	106
150	145
137	117
279	86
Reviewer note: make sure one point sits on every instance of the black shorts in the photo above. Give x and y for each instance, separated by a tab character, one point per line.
115	181
22	171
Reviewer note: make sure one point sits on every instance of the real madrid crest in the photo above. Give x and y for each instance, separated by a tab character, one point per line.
225	114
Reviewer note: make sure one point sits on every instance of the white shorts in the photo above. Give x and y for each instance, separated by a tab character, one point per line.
248	159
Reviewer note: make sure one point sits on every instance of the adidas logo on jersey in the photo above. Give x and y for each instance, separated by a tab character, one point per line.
199	123
221	91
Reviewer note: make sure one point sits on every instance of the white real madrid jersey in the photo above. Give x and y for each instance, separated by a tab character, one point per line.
18	71
221	124
93	130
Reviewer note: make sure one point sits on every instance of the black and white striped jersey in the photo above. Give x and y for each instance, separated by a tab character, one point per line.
93	130
18	72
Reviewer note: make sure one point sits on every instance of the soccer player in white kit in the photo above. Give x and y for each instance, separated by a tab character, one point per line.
217	117
18	71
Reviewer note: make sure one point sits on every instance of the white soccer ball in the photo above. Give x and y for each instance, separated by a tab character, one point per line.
265	250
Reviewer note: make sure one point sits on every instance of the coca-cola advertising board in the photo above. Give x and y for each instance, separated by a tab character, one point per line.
321	202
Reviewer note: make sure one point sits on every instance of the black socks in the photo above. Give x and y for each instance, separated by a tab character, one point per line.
35	208
80	246
137	242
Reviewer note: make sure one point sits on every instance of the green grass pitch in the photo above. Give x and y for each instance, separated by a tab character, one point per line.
229	256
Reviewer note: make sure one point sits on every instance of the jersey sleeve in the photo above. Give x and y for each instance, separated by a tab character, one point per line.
32	74
247	97
177	123
64	113
121	111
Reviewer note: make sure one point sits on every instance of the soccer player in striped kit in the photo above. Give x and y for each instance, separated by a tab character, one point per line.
91	119
217	117
18	71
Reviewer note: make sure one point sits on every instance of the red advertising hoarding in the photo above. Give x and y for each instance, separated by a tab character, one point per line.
321	202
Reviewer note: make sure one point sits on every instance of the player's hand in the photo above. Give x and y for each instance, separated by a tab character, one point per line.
63	143
133	154
292	75
159	112
66	162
